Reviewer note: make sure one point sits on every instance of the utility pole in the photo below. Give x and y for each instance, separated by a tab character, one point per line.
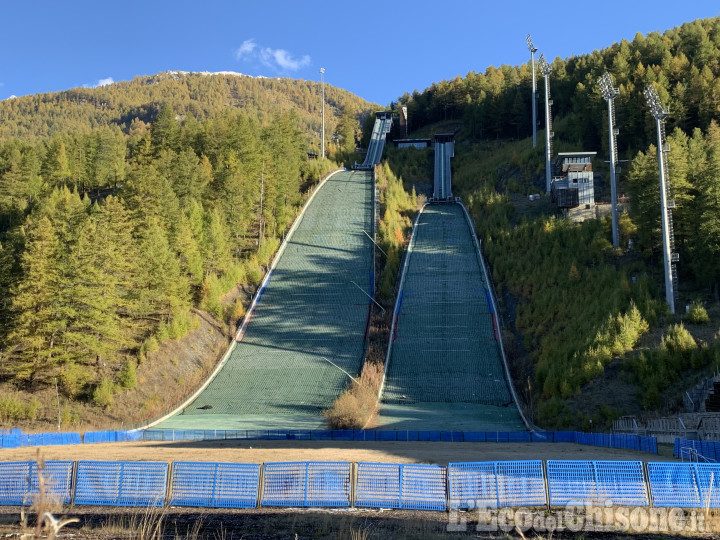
322	88
533	50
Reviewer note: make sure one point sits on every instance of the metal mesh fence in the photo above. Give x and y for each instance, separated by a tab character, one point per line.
306	484
597	482
215	485
496	484
394	485
312	314
380	485
20	482
674	484
121	483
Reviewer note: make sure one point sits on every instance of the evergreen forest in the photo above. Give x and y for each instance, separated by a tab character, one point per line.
124	209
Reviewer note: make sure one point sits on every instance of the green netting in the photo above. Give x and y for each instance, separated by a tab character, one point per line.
310	311
445	348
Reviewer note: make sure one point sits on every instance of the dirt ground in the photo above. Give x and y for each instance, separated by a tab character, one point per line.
352	524
244	451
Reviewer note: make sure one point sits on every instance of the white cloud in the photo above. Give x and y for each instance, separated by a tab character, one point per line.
277	59
105	82
246	49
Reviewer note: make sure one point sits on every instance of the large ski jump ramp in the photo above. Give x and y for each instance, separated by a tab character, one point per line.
445	368
311	314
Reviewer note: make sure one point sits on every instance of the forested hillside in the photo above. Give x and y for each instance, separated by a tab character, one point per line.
683	63
588	330
121	208
133	105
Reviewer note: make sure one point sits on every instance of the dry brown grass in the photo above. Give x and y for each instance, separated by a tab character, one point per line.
357	405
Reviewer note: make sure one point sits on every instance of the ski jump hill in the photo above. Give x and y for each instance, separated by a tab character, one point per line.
305	335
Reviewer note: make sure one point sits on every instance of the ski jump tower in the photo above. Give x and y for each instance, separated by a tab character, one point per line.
444	150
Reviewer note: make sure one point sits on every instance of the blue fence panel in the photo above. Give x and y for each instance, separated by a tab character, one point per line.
148	435
519	436
215	485
407	436
452	436
422	487
363	435
475	436
520	483
676	447
385	435
321	435
673	484
377	485
570	482
20	482
564	436
121	483
648	444
579	482
10	441
428	436
472	485
313	483
708	479
542	436
621	482
342	435
284	484
707	449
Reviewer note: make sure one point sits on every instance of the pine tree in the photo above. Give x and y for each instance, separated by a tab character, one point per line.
34	343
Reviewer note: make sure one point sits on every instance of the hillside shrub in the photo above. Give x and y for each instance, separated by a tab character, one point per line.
103	395
14	408
698	314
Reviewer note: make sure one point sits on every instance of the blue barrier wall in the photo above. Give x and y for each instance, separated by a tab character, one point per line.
20	482
121	483
407	486
496	484
15	438
307	484
215	485
620	441
618	482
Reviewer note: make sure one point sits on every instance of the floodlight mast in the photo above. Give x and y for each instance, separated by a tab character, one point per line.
545	69
609	92
322	128
533	50
656	109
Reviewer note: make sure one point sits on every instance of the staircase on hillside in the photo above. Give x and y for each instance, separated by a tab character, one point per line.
712	403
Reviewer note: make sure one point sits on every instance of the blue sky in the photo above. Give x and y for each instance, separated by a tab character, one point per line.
375	49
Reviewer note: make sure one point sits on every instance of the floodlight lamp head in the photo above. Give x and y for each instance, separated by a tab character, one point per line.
531	46
544	66
606	87
653	101
322	70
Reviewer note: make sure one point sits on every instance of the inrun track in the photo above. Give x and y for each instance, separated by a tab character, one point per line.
308	331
